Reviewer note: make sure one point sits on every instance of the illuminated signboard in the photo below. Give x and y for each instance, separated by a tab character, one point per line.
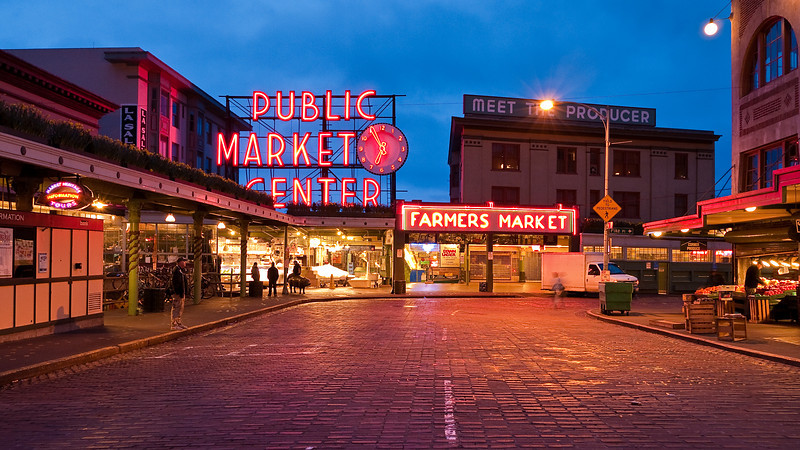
380	148
487	219
569	111
66	195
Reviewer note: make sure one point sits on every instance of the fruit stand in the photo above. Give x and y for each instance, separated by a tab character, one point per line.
759	305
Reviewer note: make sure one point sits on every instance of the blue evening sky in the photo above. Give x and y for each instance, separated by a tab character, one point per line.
625	52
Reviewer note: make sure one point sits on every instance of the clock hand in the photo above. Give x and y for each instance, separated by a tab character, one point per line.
380	143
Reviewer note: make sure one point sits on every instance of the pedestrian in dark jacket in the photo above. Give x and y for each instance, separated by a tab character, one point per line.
255	273
296	270
272	278
180	287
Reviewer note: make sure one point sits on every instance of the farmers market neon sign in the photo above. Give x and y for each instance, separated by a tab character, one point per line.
443	218
299	150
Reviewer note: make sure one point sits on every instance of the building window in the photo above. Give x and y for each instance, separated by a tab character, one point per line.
209	138
176	119
191	124
567	160
681	166
163	148
647	254
208	164
505	195
614	253
681	205
767	57
691	256
567	197
759	166
626	163
505	156
176	152
595	161
200	121
594	198
164	104
629	202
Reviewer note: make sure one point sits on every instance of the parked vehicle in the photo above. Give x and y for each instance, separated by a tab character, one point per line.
580	272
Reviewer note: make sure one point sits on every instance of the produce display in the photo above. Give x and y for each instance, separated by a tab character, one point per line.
772	288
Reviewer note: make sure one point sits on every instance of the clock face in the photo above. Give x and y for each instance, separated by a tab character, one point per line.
382	149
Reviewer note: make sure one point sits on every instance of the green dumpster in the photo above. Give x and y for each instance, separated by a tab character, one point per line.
615	297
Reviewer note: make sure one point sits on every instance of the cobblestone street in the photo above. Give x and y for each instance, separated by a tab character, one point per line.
413	373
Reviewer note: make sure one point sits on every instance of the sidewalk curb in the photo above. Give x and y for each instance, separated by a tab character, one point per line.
697	340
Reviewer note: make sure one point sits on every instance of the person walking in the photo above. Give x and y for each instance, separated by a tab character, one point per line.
180	287
272	279
558	290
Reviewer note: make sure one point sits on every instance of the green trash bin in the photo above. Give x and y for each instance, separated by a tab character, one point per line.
615	297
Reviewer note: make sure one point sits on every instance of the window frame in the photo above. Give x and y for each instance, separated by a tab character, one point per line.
629	162
769	56
505	153
566	160
681	166
757	172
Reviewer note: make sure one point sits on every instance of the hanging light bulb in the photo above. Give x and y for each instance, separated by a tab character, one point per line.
170	218
711	28
221	225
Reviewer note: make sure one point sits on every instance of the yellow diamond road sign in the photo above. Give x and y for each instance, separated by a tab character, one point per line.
607	208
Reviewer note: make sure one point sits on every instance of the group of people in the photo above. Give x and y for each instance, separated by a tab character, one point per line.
179	284
272	276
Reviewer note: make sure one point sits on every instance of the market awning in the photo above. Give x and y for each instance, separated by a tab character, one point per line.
779	202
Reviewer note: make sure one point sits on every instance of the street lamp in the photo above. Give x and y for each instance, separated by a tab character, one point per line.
605	119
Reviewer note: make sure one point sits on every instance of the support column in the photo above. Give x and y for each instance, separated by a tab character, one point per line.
398	260
197	247
285	260
134	217
243	225
490	262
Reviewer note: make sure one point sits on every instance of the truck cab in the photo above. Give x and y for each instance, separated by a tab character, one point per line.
617	275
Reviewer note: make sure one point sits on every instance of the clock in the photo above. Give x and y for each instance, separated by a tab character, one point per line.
382	149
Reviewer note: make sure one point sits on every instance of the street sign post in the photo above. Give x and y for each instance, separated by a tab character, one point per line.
607	208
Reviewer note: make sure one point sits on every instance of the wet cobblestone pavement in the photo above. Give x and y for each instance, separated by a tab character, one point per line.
413	373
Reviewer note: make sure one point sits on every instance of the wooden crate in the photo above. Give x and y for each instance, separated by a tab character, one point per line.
701	318
732	327
759	309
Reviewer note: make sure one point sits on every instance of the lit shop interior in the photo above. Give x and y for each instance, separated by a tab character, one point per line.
358	252
462	257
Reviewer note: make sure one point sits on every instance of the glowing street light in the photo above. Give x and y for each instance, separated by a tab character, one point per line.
605	119
711	28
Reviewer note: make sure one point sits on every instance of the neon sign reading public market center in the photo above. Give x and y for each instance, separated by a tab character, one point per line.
382	148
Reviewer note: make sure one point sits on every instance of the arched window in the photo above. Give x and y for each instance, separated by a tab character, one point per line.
773	52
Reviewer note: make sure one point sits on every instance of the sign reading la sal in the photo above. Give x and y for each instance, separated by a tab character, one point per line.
382	148
436	218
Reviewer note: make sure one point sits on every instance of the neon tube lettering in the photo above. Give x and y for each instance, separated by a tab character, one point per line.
227	153
484	220
345	193
326	190
256	110
329	107
347	105
322	152
371	198
279	106
276	193
254	182
271	154
300	149
308	104
346	136
252	153
299	191
360	109
414	215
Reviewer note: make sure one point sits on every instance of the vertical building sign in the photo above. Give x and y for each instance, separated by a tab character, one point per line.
133	125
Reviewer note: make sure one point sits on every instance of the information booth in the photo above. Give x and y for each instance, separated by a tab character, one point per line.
51	273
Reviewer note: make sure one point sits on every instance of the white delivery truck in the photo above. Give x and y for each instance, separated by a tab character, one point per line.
580	272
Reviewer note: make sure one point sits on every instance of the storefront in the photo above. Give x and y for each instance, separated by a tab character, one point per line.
446	243
762	226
